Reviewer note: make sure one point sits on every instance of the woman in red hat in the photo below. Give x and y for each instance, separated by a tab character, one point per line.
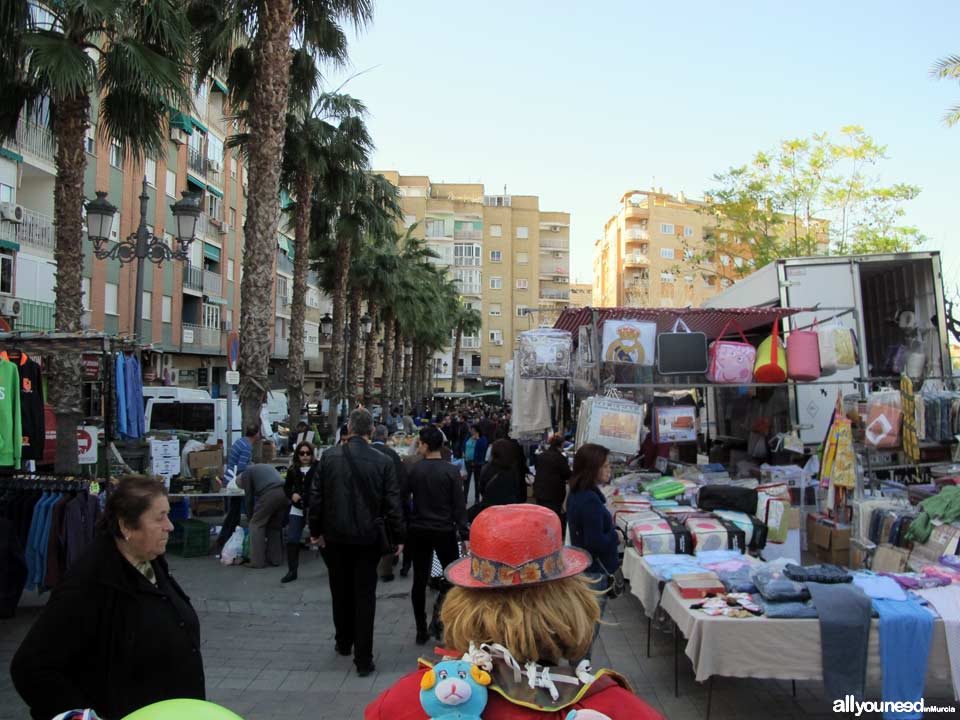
522	612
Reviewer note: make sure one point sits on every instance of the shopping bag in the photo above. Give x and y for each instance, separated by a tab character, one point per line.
803	355
681	352
232	552
884	416
629	341
845	345
771	364
731	362
827	348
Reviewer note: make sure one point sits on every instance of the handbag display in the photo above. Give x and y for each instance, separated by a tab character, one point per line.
731	362
845	345
827	348
629	341
771	365
681	353
803	355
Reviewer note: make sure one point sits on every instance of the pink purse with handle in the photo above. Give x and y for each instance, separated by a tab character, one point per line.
803	355
731	362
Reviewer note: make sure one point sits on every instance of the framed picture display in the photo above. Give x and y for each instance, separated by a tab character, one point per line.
675	424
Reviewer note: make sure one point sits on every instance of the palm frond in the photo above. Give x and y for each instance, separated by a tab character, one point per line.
953	116
946	67
60	65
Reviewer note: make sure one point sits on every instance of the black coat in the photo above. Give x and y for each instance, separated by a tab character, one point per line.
550	484
300	483
110	640
498	485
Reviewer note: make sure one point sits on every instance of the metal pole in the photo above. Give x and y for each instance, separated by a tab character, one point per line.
141	254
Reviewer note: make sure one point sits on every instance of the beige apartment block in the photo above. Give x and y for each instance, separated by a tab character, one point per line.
581	295
510	260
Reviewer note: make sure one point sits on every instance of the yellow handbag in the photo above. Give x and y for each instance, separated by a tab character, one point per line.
771	365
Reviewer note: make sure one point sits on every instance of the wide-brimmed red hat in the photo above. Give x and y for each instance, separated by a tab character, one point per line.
513	546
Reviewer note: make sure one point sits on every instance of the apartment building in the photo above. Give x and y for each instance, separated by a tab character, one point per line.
509	258
653	253
581	295
188	307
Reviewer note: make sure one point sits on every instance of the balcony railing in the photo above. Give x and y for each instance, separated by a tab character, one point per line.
636	259
35	315
198	337
196	161
555	276
214	176
36	140
637	285
281	347
212	283
467	261
468	288
283	300
470	343
36	230
637	234
468	235
192	278
554	244
549	294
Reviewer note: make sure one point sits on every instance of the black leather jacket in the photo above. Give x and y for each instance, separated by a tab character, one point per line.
300	484
338	509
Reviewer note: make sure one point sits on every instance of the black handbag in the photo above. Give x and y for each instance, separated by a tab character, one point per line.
387	546
681	353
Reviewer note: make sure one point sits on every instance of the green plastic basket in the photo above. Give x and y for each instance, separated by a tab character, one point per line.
190	538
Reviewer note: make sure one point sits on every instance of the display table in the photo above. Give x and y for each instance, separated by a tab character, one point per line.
644	585
764	648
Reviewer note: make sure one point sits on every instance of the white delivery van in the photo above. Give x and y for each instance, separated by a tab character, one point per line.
276	406
201	416
171	392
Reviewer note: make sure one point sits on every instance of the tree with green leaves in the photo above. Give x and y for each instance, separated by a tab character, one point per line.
948	68
468	321
134	57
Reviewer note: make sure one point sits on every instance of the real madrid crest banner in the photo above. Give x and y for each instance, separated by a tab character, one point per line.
629	341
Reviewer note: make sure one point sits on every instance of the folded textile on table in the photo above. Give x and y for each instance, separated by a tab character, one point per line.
666	566
788	610
906	631
776	587
844	613
666	489
946	601
709	557
741	520
737	580
727	565
824	573
945	505
879	587
727	497
950	561
913	581
941	571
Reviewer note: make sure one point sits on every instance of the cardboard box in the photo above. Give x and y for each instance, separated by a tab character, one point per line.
694	586
888	558
211	458
831	538
793	518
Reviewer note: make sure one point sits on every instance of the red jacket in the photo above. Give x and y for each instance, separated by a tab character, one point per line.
402	702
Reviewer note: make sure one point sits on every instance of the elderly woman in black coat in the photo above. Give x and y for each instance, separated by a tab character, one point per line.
550	482
118	633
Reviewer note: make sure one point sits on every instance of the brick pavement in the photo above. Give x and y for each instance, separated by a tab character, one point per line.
268	652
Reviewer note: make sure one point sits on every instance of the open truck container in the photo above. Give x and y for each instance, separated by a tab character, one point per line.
878	290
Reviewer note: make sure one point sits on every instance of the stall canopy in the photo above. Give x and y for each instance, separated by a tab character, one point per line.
706	320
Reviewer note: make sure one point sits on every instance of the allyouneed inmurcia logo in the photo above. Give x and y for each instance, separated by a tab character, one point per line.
850	706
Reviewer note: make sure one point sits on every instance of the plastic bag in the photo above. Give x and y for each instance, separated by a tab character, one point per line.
843	343
884	416
232	552
827	344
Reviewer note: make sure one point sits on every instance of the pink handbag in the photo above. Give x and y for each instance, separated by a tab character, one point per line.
731	362
803	355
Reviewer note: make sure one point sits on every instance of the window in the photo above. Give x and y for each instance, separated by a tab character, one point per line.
90	140
522	311
667	277
523	258
116	154
6	193
523	232
233	217
435	228
166	308
496	231
493	361
147	301
688	231
522	284
723	237
495	310
6	273
409	220
171	185
496	283
150	171
496	337
738	262
688	254
496	256
211	316
467	254
230	270
724	260
667	253
85	292
214	206
666	228
233	168
110	298
215	153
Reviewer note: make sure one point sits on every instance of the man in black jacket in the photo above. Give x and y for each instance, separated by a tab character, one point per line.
344	525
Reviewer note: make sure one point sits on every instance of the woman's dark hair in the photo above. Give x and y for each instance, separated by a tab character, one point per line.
587	464
128	501
476	429
432	437
296	452
555	441
503	454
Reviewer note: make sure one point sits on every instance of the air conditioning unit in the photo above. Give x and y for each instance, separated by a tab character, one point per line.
10	307
178	135
498	342
224	228
11	212
558	254
215	165
555	228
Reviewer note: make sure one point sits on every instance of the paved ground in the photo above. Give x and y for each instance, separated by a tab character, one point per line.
268	652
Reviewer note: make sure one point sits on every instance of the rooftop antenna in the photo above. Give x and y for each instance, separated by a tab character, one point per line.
504	189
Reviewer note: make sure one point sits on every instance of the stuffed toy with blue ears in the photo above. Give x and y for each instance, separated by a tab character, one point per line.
454	690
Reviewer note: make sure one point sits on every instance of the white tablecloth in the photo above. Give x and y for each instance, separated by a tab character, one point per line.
644	585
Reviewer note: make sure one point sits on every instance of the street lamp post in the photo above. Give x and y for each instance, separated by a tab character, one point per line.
143	244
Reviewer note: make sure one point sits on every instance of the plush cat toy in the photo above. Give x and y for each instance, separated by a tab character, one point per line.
586	715
454	690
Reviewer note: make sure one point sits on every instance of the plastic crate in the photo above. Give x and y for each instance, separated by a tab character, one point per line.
190	538
179	509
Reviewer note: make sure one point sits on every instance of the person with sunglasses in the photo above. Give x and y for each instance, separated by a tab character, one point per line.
300	477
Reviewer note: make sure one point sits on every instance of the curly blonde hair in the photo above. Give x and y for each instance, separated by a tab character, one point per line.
540	623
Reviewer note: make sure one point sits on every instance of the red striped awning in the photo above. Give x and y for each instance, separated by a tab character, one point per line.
706	320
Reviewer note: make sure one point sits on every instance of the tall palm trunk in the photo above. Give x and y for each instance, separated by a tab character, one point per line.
267	122
386	386
354	368
397	397
456	354
337	344
369	359
69	126
298	309
416	374
405	384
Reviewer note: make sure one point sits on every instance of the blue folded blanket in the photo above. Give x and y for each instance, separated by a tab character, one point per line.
787	610
737	580
776	587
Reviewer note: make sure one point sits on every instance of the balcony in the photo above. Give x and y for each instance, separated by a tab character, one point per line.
555	295
197	338
554	244
467	261
192	278
556	275
284	301
214	171
637	235
196	161
281	347
470	372
36	140
36	231
35	316
470	343
635	211
468	288
311	349
636	259
212	283
468	235
634	287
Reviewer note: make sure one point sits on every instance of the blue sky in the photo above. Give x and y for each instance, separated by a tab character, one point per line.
578	102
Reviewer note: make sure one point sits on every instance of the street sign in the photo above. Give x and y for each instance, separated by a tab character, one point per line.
233	350
233	377
87	445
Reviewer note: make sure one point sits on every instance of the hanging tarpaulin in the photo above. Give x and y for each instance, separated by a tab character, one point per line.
211	252
181	121
220	87
216	192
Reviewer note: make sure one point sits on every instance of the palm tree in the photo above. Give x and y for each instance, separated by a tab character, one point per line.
133	56
948	68
259	76
468	322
